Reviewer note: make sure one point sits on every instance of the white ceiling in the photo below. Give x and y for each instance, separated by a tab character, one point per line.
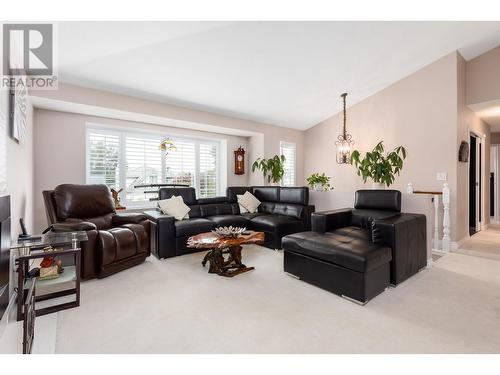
283	73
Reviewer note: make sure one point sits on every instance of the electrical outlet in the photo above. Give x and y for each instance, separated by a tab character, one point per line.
441	176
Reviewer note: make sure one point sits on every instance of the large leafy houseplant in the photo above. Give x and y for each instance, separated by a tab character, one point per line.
272	169
381	167
318	181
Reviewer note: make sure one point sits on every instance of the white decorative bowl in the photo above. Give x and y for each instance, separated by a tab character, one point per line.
229	232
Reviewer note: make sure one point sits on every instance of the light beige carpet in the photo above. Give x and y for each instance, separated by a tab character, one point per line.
484	244
175	306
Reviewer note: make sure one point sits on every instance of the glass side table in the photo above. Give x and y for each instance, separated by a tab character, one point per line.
28	254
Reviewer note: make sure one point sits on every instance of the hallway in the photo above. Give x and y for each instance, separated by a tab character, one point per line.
484	244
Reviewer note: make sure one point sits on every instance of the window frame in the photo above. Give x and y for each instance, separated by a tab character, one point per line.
123	133
286	144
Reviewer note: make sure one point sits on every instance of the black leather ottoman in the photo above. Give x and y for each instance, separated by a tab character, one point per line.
343	262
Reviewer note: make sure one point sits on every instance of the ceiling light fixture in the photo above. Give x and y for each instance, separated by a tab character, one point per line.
344	141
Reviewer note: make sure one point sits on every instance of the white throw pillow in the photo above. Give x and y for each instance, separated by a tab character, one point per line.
243	210
249	201
175	207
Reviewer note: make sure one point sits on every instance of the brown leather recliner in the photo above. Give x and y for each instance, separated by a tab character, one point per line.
116	241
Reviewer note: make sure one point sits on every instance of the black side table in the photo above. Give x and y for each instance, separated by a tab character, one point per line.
67	249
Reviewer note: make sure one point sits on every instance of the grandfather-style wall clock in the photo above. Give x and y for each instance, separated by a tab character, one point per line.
239	161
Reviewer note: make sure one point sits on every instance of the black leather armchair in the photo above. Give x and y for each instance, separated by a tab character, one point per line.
371	237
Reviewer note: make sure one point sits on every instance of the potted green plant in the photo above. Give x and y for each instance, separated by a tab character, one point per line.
379	166
272	169
319	182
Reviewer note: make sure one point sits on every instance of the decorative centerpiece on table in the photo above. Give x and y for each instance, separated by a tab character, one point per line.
229	232
319	182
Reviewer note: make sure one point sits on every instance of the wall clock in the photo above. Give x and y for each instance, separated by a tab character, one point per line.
19	106
239	161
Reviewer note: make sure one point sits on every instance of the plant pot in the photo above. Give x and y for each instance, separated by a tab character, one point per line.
378	186
318	187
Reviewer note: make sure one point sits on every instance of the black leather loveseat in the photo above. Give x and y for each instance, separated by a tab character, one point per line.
357	253
283	210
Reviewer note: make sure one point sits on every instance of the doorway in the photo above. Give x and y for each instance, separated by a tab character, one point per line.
475	184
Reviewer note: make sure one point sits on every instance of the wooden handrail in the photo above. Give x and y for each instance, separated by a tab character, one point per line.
428	192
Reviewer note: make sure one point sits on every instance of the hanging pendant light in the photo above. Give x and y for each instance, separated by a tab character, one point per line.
344	141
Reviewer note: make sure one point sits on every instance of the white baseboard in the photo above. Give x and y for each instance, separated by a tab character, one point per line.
454	245
430	262
439	252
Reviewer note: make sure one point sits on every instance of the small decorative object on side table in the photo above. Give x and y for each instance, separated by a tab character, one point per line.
219	246
64	246
116	198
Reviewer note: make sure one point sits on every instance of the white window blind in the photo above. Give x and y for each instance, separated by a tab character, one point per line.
208	170
288	150
181	164
121	159
143	165
103	154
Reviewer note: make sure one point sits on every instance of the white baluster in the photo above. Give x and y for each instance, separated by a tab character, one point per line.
446	218
436	222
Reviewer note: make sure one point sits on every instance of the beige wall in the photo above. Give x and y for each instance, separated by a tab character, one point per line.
418	112
60	151
483	77
19	174
19	170
269	135
469	122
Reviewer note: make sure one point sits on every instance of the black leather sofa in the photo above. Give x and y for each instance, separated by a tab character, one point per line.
357	253
283	210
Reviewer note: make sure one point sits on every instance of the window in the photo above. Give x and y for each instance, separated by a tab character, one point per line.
143	165
208	170
122	159
103	159
288	150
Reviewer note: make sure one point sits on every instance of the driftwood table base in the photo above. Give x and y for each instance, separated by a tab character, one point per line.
224	255
229	267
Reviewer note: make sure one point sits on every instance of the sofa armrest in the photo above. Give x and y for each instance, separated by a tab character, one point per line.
162	234
74	226
157	216
128	218
308	211
329	220
406	235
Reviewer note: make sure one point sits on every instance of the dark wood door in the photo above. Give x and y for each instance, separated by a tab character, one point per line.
472	185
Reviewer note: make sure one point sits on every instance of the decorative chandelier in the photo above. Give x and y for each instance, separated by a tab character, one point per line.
344	141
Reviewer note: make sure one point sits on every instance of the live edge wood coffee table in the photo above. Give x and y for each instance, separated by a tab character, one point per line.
220	246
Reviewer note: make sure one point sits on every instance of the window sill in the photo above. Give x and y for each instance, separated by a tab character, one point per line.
138	208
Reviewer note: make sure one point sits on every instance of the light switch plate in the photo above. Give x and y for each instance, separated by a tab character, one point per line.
441	176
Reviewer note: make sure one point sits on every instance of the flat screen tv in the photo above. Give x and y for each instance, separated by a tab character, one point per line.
4	253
